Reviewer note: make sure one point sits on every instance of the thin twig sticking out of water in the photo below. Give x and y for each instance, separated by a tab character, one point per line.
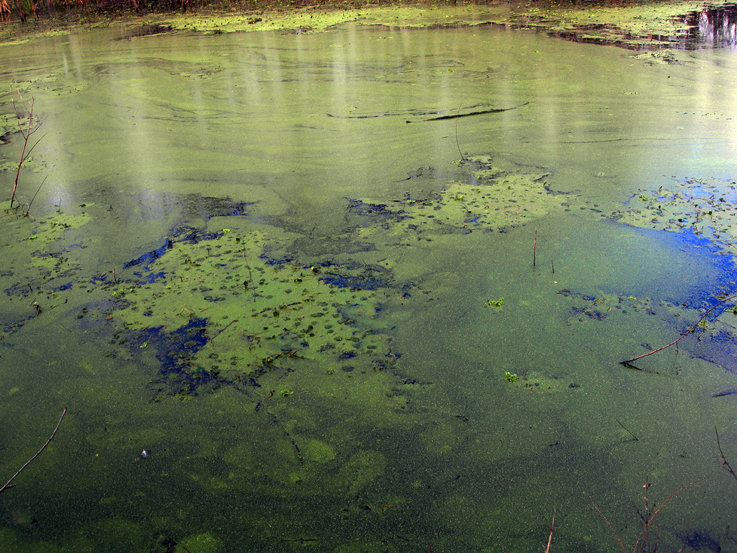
648	517
248	283
628	362
28	210
725	463
552	528
458	111
9	483
26	131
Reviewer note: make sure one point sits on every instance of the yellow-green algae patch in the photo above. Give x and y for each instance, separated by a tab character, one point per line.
631	26
534	381
314	19
259	312
200	543
37	243
634	26
43	230
319	451
491	198
702	206
39	269
54	83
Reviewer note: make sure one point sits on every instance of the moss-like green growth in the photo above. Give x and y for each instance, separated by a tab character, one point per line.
489	198
495	303
510	377
252	313
704	206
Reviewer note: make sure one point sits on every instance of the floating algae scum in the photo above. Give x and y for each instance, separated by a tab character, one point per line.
229	304
244	314
283	314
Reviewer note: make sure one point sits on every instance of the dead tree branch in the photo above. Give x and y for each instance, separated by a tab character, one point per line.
628	362
26	131
9	483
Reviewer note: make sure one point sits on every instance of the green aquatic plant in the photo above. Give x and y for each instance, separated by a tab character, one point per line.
495	303
510	377
286	393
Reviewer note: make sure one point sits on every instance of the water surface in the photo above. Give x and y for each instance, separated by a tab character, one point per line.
335	316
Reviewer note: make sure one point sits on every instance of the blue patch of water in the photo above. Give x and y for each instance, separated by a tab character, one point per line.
353	282
98	278
149	278
148	258
175	348
700	540
375	213
685	269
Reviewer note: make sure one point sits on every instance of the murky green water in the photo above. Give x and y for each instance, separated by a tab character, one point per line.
259	259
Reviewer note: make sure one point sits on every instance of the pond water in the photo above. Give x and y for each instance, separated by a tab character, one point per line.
367	290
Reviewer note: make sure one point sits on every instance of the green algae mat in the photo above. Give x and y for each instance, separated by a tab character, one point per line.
704	207
229	304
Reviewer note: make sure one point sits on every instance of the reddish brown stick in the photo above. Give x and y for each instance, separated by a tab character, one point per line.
621	543
647	520
681	337
650	518
26	134
9	484
725	463
552	528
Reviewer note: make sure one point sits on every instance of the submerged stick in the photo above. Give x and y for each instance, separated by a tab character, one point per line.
483	112
628	362
627	430
28	211
725	463
9	483
621	543
552	528
223	330
534	249
457	144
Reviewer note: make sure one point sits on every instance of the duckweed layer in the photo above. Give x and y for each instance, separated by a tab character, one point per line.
704	207
490	199
245	313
